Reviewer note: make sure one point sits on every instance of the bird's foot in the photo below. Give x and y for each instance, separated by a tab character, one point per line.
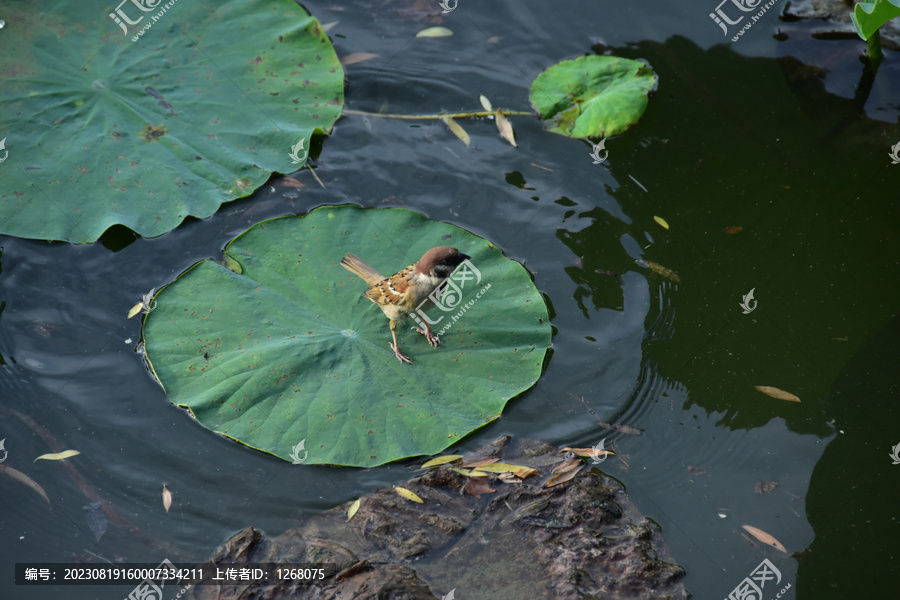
432	339
400	356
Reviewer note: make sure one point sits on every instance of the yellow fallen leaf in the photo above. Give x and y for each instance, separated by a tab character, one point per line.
135	309
505	128
457	129
520	471
764	537
408	494
563	477
567	465
467	472
167	498
440	460
434	32
23	478
774	392
588	452
353	508
58	455
480	462
662	222
485	102
357	57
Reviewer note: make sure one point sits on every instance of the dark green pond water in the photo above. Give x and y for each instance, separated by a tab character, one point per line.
767	134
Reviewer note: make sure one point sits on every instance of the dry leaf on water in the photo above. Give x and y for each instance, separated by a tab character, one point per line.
167	498
457	130
353	508
23	478
478	486
567	465
58	456
440	460
774	392
659	269
564	477
733	229
95	517
505	128
357	57
485	102
764	537
290	182
408	494
481	463
588	452
519	470
764	487
434	32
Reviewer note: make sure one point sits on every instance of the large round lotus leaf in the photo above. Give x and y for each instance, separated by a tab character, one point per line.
593	96
289	350
108	125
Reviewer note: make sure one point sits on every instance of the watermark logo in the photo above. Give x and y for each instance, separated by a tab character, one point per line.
895	455
122	20
598	453
748	298
448	296
450	596
148	590
751	587
6	152
445	4
895	151
596	150
5	453
295	159
295	452
722	19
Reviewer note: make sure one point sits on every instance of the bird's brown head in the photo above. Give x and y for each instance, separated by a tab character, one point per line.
440	261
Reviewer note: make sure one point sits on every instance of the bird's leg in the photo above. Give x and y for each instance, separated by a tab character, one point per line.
432	339
395	347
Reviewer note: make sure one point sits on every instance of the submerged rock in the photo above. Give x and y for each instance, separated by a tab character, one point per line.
580	539
835	20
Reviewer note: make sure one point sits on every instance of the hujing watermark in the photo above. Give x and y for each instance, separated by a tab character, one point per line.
448	296
895	454
6	152
599	453
894	153
123	21
5	453
295	158
596	149
148	590
295	452
722	19
748	298
445	4
751	588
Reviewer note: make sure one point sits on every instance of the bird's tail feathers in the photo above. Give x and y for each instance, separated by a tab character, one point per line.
356	265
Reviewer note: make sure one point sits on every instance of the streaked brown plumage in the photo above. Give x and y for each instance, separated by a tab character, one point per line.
400	294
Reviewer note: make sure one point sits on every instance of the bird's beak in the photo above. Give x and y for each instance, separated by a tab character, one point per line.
464	256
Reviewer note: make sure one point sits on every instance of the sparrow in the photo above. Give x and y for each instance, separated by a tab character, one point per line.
400	294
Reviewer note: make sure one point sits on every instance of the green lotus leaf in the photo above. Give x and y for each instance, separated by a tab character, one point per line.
143	124
592	96
869	16
290	351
